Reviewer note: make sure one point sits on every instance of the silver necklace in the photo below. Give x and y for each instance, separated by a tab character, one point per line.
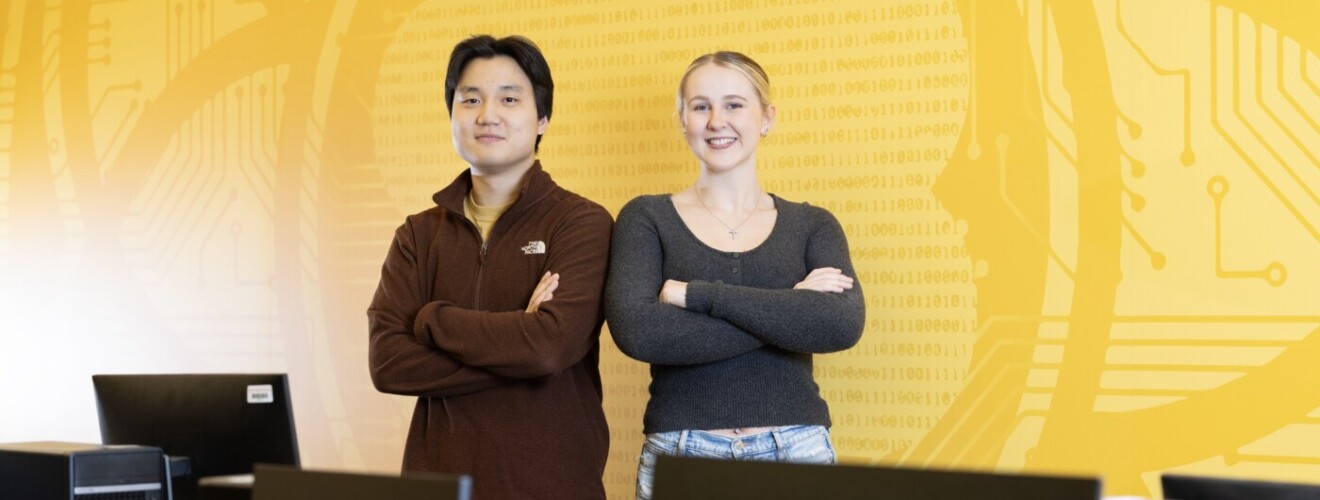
733	230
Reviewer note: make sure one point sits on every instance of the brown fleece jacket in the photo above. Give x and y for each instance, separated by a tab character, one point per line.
511	398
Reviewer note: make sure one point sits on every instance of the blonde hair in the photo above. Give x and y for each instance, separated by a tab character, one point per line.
735	61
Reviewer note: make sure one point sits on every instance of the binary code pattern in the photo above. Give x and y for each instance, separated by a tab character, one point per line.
870	101
1087	230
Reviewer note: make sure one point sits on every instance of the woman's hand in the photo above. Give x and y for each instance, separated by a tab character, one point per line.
674	293
545	290
825	279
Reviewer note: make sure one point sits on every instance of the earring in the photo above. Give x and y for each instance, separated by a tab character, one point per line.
765	131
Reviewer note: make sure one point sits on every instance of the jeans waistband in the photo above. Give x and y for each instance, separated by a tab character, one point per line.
777	438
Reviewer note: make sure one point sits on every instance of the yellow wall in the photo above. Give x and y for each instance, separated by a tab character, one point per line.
1089	232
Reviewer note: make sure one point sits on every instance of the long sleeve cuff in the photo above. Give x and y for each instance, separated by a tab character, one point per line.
420	331
700	296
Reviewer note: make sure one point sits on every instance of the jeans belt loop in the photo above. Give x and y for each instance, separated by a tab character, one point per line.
682	442
780	444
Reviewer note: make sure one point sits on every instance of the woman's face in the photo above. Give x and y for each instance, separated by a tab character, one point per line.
723	118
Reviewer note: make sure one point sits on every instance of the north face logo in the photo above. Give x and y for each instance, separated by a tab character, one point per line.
534	248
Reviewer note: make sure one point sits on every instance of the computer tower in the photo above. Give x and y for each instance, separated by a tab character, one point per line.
51	470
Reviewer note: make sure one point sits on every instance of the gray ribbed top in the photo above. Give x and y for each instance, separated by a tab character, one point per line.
740	355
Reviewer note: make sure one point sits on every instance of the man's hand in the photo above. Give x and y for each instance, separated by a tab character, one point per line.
545	290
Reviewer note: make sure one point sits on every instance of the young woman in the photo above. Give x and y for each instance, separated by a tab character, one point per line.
727	291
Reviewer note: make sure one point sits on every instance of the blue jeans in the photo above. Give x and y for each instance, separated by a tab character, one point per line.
808	444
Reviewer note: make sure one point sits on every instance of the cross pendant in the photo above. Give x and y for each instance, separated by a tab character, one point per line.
733	234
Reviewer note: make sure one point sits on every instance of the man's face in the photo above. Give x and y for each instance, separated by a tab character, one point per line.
494	118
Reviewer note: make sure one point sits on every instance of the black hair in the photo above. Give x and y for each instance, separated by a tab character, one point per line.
522	51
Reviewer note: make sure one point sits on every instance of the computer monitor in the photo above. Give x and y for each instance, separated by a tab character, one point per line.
287	483
223	423
1182	487
708	479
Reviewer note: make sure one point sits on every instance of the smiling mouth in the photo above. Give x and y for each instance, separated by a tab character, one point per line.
721	142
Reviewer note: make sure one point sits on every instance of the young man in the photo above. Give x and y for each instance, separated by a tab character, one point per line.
489	304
